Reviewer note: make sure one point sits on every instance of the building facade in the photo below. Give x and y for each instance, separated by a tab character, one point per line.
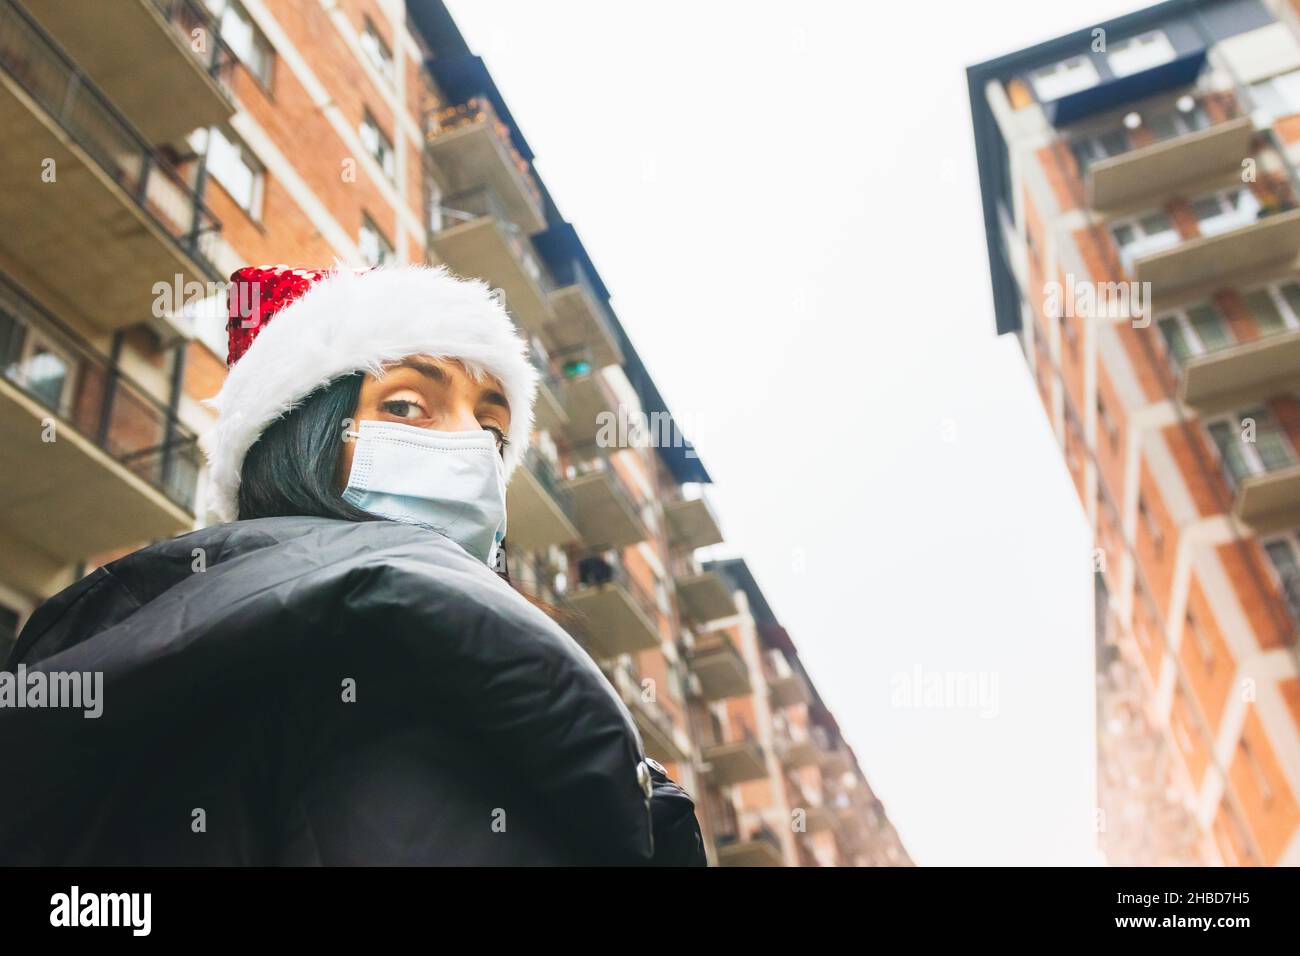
152	147
1139	192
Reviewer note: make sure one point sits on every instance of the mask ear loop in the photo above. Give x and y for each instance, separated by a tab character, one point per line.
501	567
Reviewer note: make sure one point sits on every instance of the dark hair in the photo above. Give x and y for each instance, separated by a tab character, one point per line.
292	468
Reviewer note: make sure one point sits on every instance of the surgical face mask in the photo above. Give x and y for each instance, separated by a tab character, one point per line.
451	482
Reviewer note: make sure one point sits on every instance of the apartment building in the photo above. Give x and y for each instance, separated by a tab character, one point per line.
152	147
1140	201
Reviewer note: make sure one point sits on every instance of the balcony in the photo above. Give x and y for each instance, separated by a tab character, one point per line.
606	510
692	524
663	740
1242	373
582	320
548	411
116	219
756	846
478	240
539	511
818	814
718	665
795	747
140	54
91	461
703	596
473	149
833	755
1270	501
787	686
590	403
620	617
734	761
1175	143
1251	243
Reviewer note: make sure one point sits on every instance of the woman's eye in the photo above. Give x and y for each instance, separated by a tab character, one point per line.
402	409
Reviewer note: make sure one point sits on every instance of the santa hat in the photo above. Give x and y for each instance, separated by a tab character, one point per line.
331	323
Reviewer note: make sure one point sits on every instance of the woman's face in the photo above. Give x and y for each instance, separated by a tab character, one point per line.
432	393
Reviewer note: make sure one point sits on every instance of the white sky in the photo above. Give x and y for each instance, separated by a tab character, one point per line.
783	200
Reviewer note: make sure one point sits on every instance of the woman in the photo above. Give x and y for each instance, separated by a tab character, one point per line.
337	673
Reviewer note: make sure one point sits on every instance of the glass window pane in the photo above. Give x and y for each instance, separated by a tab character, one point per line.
1263	309
1284	559
1114	142
1124	235
45	374
1163	126
1274	450
1210	327
1155	223
1207	207
1175	341
1228	440
1291	293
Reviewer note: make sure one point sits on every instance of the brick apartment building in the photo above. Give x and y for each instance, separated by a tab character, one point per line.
158	145
1160	148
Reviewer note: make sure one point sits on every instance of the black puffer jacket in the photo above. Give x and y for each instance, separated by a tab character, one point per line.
480	732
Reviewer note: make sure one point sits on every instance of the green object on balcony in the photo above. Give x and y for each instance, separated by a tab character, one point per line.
576	367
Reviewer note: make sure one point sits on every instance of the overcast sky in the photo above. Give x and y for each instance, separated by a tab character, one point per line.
782	199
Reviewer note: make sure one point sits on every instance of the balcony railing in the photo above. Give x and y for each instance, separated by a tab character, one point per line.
1170	121
478	109
72	100
541	468
90	393
599	463
607	567
188	16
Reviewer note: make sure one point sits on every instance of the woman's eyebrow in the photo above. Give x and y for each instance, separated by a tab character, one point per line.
427	369
493	397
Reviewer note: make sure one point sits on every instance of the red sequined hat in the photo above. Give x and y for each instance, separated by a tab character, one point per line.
255	295
292	331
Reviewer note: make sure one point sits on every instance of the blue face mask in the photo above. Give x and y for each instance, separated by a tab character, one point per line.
451	482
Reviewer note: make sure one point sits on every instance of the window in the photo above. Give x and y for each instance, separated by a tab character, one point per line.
1270	450
1095	148
1257	771
1061	79
1143	236
375	249
242	36
1276	97
37	365
1188	118
232	164
1153	530
379	146
1284	553
1194	331
1152	226
1225	210
1203	646
1139	53
433	197
377	50
1103	417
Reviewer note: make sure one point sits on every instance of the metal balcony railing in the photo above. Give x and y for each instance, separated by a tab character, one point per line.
1189	114
36	63
478	109
621	487
90	393
481	203
541	468
575	275
188	16
607	568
